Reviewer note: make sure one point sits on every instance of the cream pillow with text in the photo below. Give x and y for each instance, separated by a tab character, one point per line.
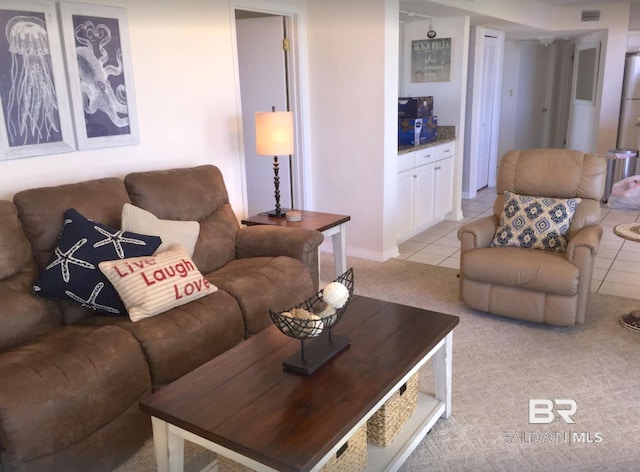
151	285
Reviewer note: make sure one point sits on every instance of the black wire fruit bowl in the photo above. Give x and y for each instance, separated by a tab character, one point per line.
315	318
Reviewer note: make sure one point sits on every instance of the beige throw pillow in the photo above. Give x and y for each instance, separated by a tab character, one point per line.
141	221
150	285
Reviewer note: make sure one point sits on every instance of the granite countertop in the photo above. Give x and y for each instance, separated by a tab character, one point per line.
445	134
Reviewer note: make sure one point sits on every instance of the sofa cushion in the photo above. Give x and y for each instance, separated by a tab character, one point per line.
183	338
535	222
72	272
171	232
151	285
22	315
63	387
541	271
263	283
191	194
41	210
15	250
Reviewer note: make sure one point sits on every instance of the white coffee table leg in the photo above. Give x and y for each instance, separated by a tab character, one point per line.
161	443
442	368
169	447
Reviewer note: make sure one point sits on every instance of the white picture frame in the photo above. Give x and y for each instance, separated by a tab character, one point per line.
35	115
102	89
586	74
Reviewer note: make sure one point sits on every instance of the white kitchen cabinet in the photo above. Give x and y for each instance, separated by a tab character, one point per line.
406	184
425	188
424	211
443	187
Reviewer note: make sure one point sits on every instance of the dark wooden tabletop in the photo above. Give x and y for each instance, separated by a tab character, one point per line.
245	401
310	220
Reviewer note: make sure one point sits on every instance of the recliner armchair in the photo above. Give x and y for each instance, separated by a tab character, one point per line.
534	284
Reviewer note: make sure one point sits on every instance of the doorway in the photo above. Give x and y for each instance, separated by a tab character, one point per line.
483	110
263	64
561	93
488	109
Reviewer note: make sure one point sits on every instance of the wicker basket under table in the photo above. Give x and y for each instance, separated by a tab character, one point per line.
385	424
351	457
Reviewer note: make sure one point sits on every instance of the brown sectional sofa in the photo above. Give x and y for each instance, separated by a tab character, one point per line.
71	378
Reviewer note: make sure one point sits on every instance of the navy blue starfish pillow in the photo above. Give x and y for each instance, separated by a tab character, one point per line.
72	272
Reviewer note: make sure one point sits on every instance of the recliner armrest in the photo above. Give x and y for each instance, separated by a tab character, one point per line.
588	237
478	233
272	241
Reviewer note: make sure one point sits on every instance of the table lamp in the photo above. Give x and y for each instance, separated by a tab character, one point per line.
274	137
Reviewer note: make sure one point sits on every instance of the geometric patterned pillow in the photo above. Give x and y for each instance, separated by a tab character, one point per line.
535	222
72	272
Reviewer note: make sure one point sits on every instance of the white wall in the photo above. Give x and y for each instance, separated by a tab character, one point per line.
390	208
601	131
184	83
534	13
584	117
347	72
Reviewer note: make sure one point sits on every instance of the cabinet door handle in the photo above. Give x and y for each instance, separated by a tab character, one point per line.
438	168
446	150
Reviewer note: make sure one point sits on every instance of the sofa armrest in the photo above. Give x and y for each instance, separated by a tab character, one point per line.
266	240
588	237
478	233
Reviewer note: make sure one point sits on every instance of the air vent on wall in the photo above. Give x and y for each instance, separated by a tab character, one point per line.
590	15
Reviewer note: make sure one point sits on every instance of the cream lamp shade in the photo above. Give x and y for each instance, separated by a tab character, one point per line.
274	133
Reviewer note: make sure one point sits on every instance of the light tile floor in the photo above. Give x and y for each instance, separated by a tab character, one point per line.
617	266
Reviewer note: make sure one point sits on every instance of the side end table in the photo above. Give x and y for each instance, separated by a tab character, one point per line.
328	224
631	232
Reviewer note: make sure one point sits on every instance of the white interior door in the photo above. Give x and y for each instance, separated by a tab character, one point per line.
561	93
263	84
487	110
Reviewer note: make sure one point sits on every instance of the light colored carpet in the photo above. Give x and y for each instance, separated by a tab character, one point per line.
498	365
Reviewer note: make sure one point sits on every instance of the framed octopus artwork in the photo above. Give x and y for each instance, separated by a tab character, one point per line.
36	117
98	57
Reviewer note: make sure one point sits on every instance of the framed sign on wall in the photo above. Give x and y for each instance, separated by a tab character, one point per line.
431	60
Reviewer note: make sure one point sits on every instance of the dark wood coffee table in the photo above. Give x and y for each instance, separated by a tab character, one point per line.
243	405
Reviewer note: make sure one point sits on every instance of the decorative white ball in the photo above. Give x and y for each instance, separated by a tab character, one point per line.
335	294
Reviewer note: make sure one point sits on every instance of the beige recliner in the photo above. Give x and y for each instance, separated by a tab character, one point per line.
535	284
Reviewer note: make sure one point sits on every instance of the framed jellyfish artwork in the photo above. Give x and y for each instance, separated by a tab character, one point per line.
98	56
36	117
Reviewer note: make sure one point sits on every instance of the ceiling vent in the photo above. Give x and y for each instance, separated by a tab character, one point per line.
590	15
